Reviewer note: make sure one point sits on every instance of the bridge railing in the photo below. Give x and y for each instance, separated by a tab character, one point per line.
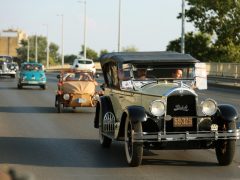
218	73
231	70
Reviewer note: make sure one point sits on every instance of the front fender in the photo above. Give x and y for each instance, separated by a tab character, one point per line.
227	112
136	114
105	105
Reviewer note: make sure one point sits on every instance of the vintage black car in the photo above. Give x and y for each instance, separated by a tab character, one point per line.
150	101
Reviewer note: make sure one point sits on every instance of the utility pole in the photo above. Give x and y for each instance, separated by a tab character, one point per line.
85	29
36	49
119	26
183	28
62	41
28	49
47	47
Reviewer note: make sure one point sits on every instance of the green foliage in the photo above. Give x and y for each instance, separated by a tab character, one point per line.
216	17
129	49
42	50
53	53
229	53
198	45
220	19
104	51
90	53
69	58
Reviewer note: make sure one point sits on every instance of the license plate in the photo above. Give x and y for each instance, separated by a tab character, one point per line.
32	82
81	100
182	122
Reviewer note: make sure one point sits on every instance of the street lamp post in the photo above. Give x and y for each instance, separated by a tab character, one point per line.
28	48
36	49
85	29
183	28
62	41
119	26
47	47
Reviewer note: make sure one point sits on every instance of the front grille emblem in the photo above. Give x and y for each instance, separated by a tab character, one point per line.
181	108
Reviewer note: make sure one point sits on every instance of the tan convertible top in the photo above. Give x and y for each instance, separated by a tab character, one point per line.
79	87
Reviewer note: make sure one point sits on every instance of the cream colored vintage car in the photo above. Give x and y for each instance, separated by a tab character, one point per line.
150	102
76	89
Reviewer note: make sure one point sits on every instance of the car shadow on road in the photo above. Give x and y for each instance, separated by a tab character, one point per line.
27	109
53	152
168	162
37	109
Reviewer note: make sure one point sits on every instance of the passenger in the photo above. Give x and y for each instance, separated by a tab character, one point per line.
141	74
85	77
27	67
177	74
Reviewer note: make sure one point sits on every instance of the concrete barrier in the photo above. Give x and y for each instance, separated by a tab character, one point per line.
231	70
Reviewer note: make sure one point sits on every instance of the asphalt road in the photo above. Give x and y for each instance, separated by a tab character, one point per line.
37	141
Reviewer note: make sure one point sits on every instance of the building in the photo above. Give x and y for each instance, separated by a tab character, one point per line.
10	40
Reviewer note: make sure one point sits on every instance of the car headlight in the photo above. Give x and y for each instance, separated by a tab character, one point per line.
157	108
209	107
66	96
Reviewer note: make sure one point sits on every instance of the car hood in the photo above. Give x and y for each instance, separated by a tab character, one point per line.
32	74
164	89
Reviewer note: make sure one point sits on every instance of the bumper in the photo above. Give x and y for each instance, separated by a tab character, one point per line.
7	73
33	83
80	100
187	136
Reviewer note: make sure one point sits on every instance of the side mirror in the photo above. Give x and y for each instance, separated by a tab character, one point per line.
97	76
76	66
58	76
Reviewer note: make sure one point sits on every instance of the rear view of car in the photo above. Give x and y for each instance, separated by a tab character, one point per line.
84	64
32	74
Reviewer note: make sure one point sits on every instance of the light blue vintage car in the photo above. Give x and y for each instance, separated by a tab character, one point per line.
32	74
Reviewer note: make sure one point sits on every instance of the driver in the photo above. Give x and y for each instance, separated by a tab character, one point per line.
177	74
141	74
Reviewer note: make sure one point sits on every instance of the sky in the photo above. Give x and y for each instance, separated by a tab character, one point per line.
148	25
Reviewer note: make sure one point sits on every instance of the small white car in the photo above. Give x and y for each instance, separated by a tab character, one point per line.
84	64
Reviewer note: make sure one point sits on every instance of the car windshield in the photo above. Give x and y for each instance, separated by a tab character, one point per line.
77	76
6	59
140	75
84	62
32	67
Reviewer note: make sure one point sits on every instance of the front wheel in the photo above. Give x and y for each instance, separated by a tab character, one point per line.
104	140
19	86
225	149
59	105
43	86
133	150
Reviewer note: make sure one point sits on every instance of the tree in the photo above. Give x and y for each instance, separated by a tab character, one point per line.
90	53
216	17
104	51
69	58
42	50
53	53
129	49
198	45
